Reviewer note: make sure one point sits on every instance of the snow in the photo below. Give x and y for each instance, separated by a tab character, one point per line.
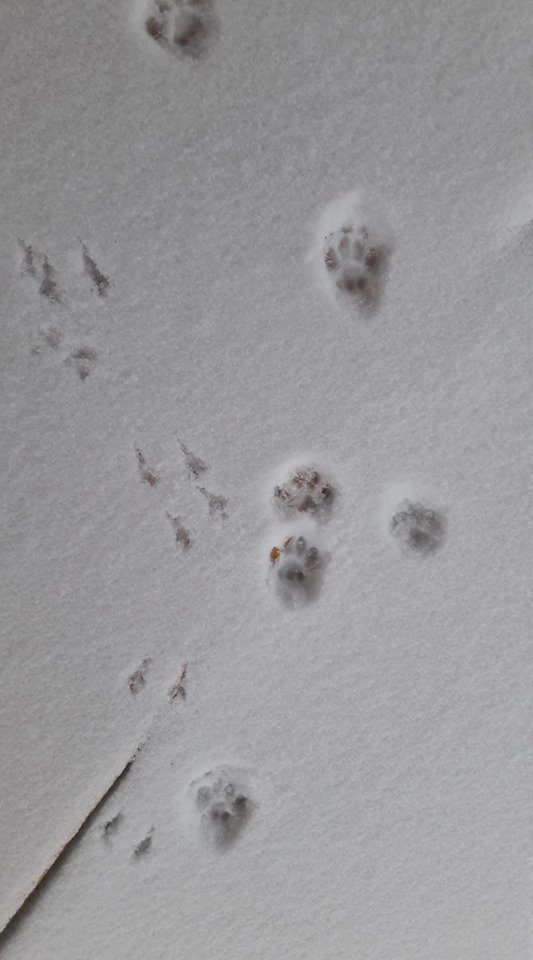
170	202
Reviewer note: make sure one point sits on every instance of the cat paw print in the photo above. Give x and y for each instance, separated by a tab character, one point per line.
353	249
297	567
306	490
179	26
355	262
222	804
417	528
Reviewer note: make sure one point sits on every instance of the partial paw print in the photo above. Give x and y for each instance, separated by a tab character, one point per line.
221	804
37	265
82	360
181	27
49	338
353	249
297	567
150	476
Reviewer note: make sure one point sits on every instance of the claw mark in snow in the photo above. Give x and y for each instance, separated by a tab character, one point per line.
194	463
217	503
144	845
178	689
92	270
136	680
109	827
148	475
181	534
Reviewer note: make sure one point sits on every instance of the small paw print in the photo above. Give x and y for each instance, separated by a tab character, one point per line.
355	261
179	26
352	248
222	803
298	568
417	528
305	491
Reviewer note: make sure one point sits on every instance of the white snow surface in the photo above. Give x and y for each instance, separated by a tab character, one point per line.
386	726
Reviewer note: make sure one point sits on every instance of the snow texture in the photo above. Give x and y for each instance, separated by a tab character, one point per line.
386	727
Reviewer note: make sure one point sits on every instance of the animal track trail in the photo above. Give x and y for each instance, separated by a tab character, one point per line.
182	28
149	476
196	466
35	264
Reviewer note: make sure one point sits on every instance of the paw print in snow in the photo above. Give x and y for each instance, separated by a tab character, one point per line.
298	569
354	262
305	491
178	26
353	248
417	528
82	359
222	804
